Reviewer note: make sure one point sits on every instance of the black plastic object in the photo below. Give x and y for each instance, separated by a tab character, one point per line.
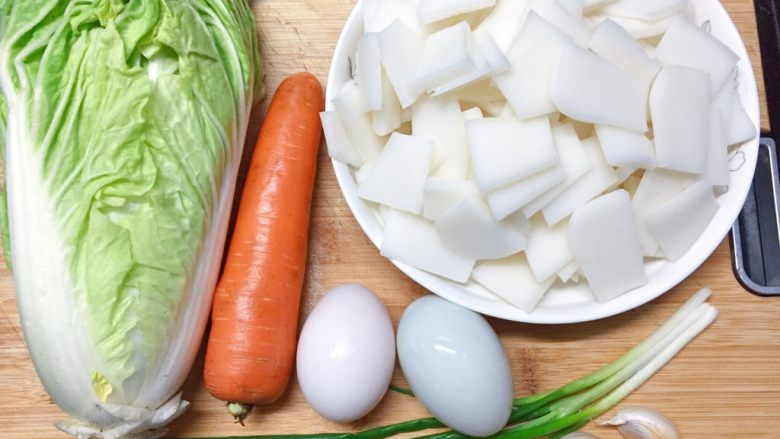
768	20
756	234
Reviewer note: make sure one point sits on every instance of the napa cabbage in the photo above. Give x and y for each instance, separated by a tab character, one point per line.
123	123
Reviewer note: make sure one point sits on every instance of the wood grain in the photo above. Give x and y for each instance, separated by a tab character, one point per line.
724	385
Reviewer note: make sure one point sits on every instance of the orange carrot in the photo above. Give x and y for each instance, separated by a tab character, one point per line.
254	318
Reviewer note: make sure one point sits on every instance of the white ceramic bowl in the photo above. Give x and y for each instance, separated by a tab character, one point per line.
570	304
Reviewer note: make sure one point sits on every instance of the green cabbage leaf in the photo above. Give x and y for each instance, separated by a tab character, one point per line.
123	124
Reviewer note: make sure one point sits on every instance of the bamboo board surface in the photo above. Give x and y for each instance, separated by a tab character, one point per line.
724	385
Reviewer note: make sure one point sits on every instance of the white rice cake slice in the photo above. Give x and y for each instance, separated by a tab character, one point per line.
413	240
512	280
605	244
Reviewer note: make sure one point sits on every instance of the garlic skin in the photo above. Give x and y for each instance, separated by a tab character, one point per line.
643	423
580	435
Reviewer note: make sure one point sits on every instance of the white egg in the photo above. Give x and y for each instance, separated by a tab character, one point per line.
456	366
346	354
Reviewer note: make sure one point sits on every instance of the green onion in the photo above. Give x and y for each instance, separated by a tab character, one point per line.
564	410
401	390
374	433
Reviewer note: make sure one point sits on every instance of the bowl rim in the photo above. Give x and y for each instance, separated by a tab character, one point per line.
702	249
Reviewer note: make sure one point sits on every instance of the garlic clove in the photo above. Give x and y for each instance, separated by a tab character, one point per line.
580	435
643	423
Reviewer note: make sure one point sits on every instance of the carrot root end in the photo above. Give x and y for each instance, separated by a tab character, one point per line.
239	411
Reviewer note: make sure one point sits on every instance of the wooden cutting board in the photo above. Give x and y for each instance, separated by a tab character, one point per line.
726	384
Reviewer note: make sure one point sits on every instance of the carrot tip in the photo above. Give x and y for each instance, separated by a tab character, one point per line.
239	411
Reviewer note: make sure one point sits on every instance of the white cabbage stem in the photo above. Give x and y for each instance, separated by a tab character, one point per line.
136	423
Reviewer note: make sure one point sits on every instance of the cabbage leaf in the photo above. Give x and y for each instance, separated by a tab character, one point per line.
124	129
